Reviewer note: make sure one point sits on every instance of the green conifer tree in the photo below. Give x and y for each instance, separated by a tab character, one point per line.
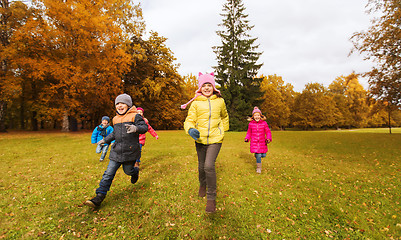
237	66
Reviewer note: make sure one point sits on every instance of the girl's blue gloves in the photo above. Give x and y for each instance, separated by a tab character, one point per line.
194	133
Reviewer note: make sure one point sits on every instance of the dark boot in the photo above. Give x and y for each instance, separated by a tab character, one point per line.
135	176
202	191
211	206
96	201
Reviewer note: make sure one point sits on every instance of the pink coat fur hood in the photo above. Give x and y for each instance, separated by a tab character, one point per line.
257	133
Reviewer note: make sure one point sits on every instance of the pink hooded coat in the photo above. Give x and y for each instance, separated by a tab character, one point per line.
257	133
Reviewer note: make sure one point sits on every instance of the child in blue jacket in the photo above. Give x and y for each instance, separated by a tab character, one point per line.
99	133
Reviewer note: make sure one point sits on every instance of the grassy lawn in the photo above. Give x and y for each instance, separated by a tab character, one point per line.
314	185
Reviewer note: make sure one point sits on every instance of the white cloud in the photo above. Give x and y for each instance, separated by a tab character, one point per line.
303	41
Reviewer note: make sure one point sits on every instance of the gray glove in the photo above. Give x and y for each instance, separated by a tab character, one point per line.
131	128
101	142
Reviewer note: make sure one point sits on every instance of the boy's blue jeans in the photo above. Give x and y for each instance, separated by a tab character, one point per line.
139	159
108	176
259	157
102	149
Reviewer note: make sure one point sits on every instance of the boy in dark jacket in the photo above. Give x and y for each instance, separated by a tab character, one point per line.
125	150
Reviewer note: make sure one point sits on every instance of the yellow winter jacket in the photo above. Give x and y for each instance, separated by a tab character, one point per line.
209	116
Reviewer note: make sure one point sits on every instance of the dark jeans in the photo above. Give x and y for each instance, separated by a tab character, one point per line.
108	176
259	157
139	159
207	155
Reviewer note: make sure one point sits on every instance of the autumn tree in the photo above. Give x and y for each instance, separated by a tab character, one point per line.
237	67
377	113
351	100
191	85
381	43
278	100
314	108
78	49
13	15
154	83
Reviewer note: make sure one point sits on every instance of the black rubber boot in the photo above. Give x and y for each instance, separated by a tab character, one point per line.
96	201
134	178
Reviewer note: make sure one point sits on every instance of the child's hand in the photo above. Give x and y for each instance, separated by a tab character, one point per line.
131	128
246	140
157	137
268	141
194	133
101	142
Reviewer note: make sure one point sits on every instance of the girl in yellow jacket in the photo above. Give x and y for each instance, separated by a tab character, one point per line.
206	123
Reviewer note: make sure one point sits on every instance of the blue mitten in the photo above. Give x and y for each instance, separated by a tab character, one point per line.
194	133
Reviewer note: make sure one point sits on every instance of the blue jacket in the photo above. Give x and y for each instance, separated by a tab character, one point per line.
96	134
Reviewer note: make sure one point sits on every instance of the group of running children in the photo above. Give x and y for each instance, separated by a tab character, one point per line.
206	123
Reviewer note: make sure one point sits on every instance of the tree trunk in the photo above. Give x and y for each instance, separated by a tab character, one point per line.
22	112
3	108
73	124
66	125
389	120
34	121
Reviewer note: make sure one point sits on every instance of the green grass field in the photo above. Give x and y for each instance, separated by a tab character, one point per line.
314	185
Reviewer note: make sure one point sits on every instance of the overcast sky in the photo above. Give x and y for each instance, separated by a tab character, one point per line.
302	41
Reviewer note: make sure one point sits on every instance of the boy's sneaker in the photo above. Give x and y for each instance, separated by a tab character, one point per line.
135	176
96	201
101	160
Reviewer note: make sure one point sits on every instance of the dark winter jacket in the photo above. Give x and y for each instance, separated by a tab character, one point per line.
126	146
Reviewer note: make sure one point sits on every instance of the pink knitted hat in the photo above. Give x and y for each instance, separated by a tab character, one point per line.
139	108
256	110
202	79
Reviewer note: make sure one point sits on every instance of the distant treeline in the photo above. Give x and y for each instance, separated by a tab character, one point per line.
63	63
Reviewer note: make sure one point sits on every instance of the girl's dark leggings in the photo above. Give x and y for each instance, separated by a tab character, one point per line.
207	155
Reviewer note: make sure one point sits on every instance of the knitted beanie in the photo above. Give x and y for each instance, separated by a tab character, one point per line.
256	110
106	118
202	79
124	98
139	108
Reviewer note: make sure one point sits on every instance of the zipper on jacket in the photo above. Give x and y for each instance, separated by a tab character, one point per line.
210	116
257	130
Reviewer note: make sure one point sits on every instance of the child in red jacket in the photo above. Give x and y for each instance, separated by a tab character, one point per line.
260	135
142	137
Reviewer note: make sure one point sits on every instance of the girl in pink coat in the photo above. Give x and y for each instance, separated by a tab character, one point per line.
260	135
142	137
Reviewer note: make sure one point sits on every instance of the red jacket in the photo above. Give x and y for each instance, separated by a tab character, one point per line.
142	137
258	132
